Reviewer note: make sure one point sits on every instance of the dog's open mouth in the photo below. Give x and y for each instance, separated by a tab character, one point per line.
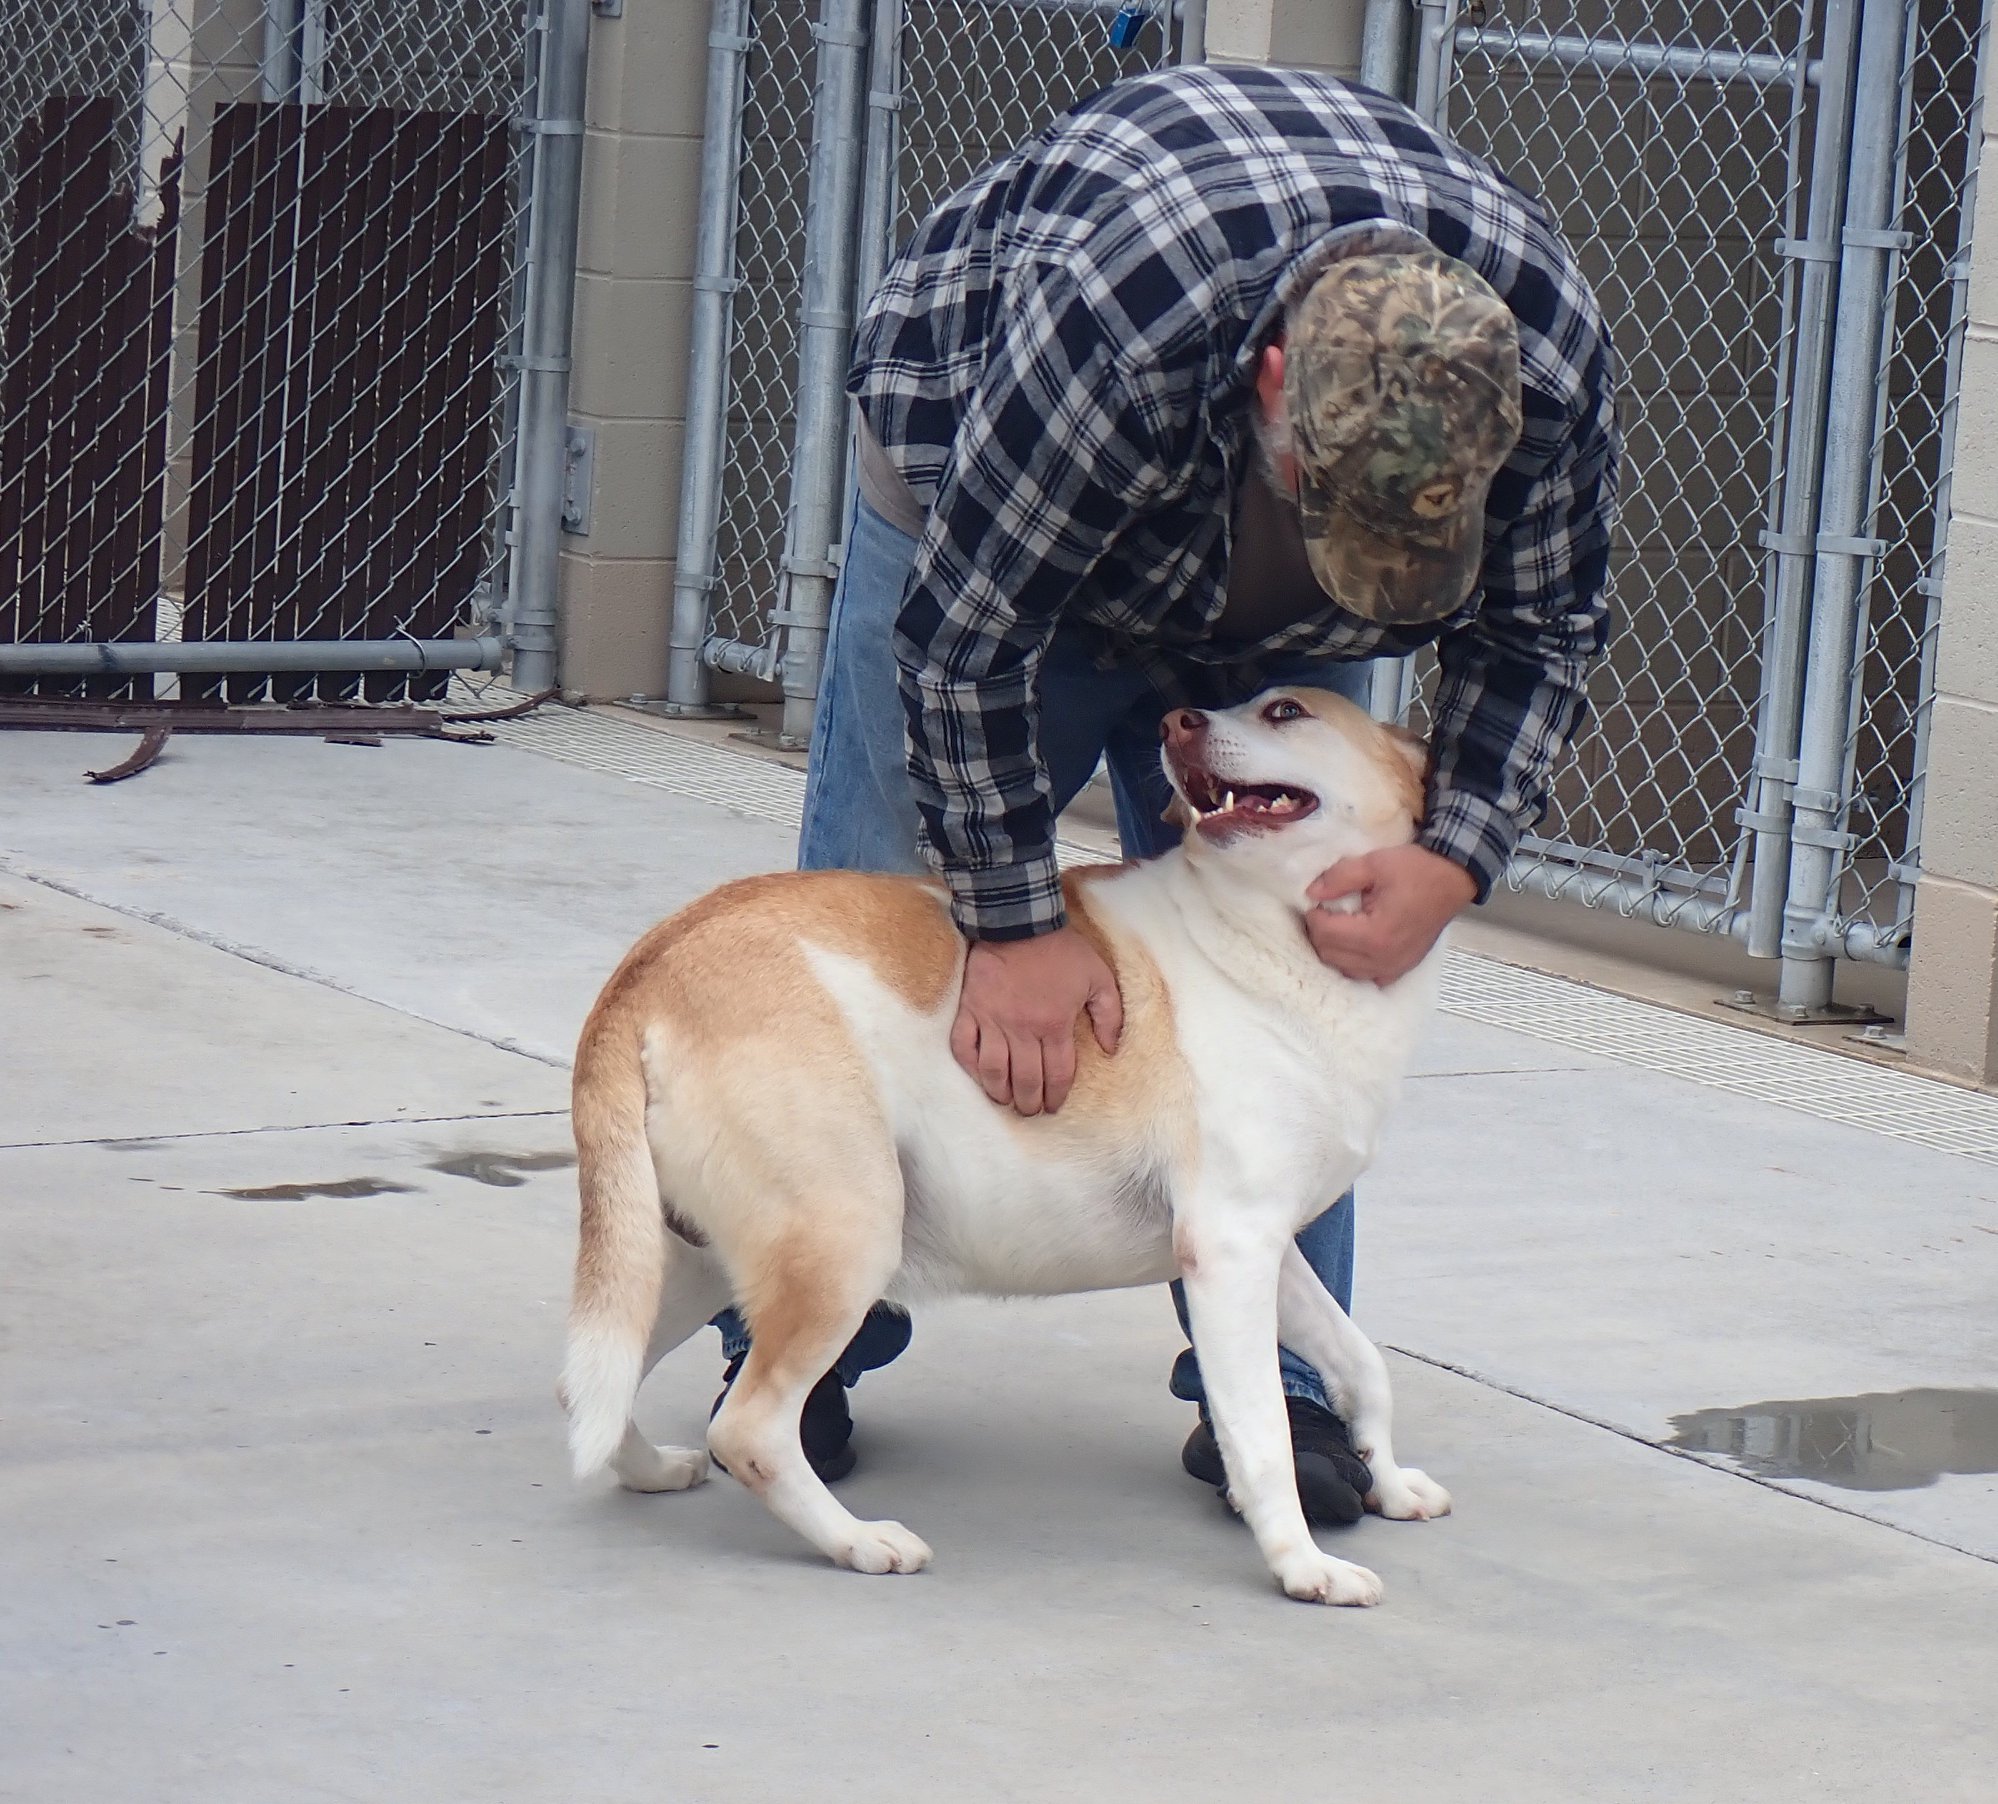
1219	804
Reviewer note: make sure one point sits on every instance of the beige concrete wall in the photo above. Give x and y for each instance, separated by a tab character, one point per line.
1299	34
1953	980
641	195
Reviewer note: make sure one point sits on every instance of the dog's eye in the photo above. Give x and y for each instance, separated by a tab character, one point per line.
1283	709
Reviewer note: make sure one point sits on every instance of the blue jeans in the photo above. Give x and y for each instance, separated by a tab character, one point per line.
860	815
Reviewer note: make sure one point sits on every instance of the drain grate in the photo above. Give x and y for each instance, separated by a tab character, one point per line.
1921	1111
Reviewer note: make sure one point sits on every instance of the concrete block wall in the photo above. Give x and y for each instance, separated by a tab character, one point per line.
634	296
1953	978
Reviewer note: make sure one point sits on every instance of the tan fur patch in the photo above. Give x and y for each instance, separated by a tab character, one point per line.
1388	746
1143	1090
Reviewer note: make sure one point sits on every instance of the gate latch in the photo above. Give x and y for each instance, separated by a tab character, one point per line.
1129	21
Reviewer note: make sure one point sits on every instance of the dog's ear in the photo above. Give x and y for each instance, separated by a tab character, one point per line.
1411	751
1177	813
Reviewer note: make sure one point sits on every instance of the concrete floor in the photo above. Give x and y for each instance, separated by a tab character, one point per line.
284	1241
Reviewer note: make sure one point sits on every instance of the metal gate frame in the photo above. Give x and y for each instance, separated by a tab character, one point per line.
852	210
520	617
1795	864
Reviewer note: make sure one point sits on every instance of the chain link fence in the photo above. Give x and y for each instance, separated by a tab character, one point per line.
1772	201
949	85
262	289
1940	107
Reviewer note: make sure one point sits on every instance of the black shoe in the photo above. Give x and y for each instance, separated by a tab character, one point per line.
825	1427
1332	1480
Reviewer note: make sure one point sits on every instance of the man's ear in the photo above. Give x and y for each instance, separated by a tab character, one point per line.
1177	813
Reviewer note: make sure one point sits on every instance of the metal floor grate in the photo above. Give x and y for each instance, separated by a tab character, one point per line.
1828	1085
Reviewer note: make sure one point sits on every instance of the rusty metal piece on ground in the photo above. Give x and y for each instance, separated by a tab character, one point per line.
353	739
143	755
316	720
525	706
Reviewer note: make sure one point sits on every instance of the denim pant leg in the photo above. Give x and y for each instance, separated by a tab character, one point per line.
860	814
1327	1242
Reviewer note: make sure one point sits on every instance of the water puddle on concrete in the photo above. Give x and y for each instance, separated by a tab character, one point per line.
338	1187
504	1170
1884	1441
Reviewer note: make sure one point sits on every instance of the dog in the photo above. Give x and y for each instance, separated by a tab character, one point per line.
767	1113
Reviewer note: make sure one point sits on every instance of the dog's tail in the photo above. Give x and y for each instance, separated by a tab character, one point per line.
621	1254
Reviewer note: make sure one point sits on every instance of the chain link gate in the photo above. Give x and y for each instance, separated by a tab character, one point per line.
832	127
283	308
1774	202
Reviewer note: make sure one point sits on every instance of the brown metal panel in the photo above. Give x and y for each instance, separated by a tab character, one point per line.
234	582
83	395
353	292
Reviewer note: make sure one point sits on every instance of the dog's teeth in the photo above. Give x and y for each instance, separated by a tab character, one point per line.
1227	800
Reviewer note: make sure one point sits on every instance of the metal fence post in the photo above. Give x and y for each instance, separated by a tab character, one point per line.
1192	30
1819	803
880	182
554	212
1384	47
715	284
1435	50
825	318
1792	545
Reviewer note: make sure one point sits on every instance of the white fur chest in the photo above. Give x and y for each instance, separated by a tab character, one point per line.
1294	1068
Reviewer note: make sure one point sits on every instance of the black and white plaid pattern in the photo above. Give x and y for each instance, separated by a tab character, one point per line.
1061	362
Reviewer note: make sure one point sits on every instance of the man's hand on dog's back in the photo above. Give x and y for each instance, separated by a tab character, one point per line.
1015	1028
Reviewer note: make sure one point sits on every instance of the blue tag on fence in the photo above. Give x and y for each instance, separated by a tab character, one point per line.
1130	20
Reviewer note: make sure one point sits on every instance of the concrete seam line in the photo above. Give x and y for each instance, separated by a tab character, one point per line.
270	962
1708	1461
300	1127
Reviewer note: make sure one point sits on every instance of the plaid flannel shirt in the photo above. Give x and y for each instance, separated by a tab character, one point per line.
1061	364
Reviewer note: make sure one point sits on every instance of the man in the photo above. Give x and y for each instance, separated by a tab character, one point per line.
1230	377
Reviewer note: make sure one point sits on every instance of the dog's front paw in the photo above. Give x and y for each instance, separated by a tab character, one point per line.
884	1547
1317	1578
1407	1495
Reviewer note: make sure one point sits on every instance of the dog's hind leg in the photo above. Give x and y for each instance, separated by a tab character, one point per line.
693	1289
806	1290
1314	1326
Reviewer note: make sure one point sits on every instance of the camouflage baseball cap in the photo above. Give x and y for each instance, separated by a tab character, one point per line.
1401	379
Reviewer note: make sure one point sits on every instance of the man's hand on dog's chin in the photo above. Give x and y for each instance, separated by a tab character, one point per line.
1015	1028
1408	895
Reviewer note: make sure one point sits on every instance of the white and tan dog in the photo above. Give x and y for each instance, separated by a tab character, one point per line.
767	1113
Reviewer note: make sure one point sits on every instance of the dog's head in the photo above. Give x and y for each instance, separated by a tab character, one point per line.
1285	786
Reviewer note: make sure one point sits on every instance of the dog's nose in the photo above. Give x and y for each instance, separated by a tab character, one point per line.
1182	724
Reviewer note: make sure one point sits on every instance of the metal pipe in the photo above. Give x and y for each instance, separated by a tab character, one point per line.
131	657
708	350
825	320
1192	31
1819	803
555	209
1788	580
283	22
1635	898
881	163
1612	57
1435	44
1384	47
763	662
